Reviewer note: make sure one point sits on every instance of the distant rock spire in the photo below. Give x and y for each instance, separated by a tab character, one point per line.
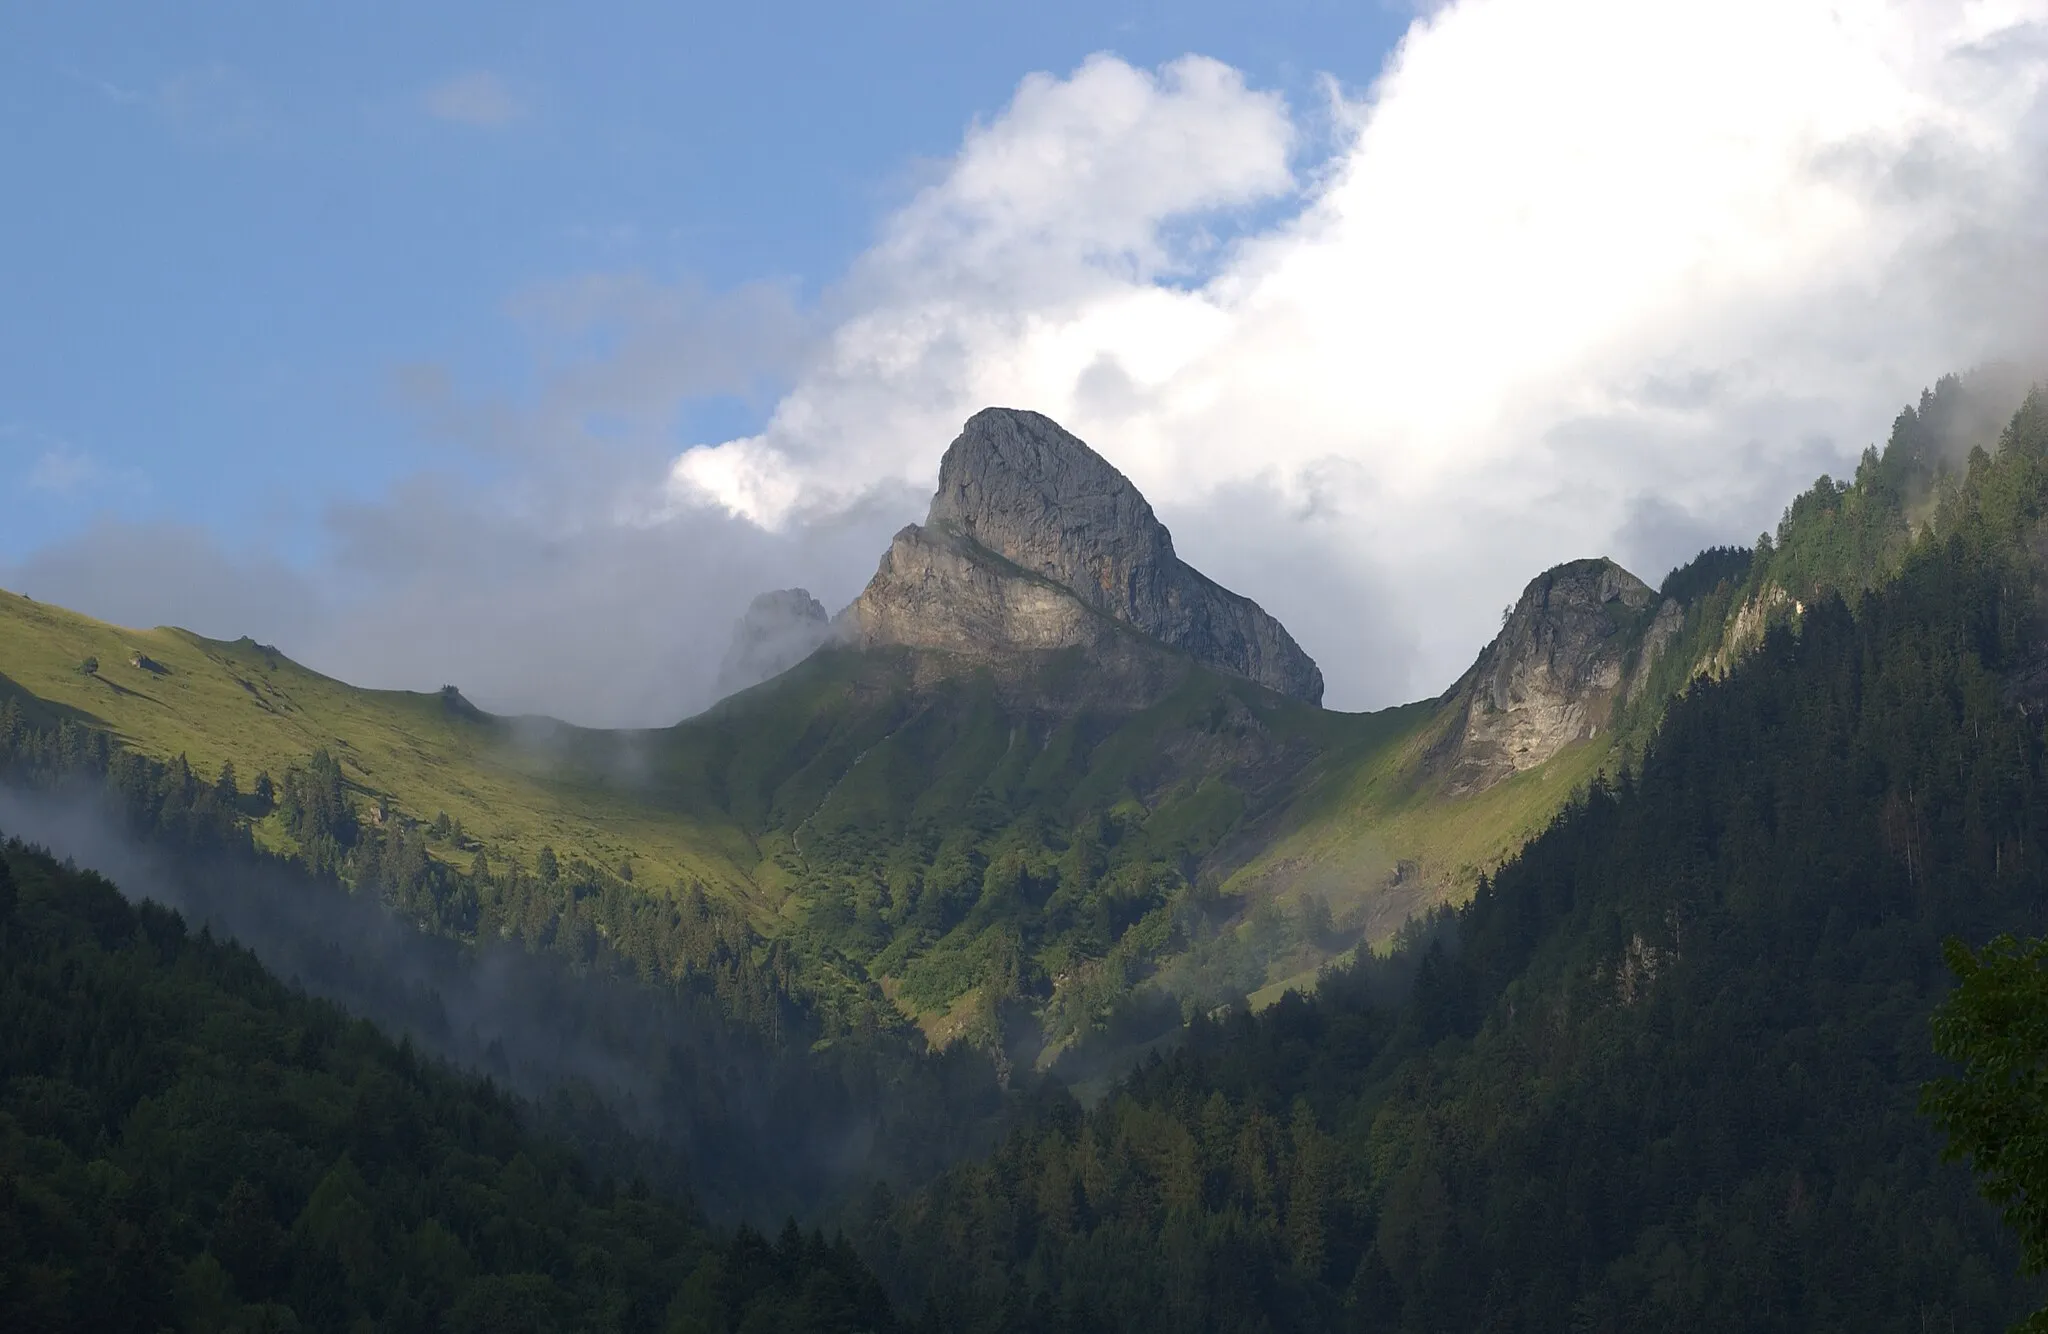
780	629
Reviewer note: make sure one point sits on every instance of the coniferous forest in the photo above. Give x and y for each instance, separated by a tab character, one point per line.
185	1143
1663	1071
1695	1058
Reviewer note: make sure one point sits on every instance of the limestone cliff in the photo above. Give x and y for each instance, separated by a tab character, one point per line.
1566	656
1034	543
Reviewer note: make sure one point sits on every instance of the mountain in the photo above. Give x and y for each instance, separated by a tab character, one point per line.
1034	543
516	785
1664	1070
1656	1069
1043	782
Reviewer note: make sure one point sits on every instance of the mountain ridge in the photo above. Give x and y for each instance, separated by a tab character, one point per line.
974	840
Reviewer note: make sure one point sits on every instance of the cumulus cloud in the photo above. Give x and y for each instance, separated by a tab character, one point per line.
1591	276
479	99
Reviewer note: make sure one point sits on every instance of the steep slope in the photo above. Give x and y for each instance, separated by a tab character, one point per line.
1383	835
1571	646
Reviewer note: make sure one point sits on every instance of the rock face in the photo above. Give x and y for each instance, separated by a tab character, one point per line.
936	589
779	630
1035	542
1570	648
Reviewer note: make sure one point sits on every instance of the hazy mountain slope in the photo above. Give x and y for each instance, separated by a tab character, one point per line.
778	798
858	803
515	784
187	1143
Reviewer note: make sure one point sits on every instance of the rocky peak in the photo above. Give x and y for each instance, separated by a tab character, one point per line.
1020	485
1562	662
1033	538
778	631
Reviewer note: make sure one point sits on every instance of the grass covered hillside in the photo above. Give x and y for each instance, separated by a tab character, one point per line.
927	841
917	830
931	841
166	692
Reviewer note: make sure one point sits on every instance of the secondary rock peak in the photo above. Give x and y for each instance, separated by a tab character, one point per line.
1566	657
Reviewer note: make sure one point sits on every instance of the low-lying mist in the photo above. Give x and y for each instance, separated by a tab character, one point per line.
646	1080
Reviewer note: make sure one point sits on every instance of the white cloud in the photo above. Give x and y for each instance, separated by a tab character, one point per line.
1588	276
479	98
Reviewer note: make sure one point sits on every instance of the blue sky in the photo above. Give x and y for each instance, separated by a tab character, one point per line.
230	227
519	346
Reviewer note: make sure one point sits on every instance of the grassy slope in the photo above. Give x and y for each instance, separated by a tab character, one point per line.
815	797
515	785
831	767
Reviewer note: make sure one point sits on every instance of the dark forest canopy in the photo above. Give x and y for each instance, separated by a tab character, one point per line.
571	989
185	1143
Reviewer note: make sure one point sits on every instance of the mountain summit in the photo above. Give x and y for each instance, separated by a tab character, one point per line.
1035	542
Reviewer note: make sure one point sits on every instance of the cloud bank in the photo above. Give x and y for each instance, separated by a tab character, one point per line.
1591	277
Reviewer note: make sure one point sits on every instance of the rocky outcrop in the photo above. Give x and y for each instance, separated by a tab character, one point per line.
1746	629
779	630
1664	627
1564	658
1034	542
936	589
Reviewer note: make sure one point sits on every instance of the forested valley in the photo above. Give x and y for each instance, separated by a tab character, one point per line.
1664	1069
